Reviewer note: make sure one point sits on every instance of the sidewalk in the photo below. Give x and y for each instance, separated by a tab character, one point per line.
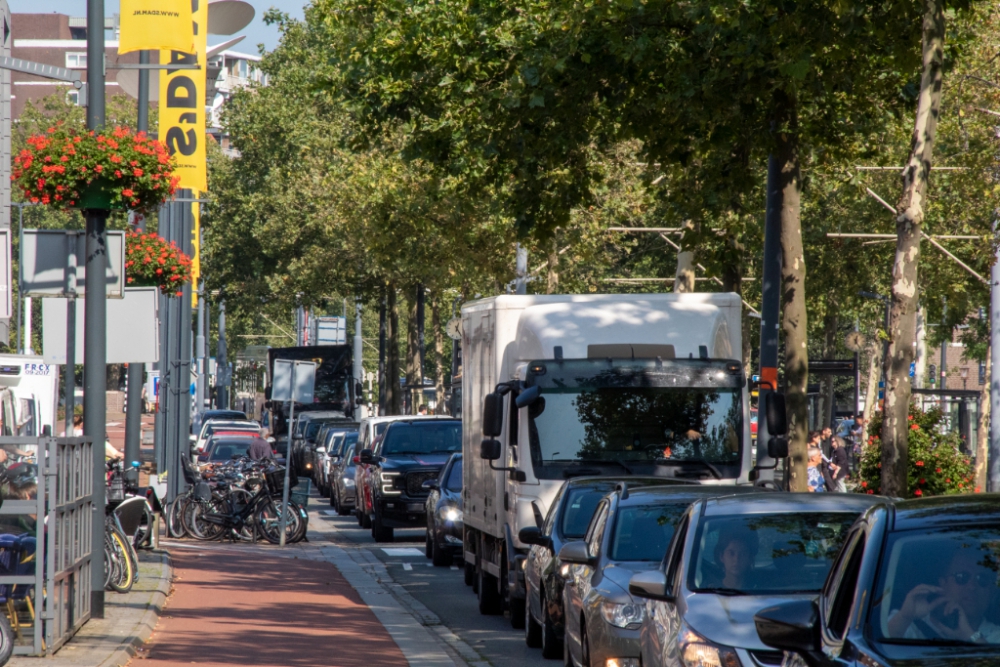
240	606
128	622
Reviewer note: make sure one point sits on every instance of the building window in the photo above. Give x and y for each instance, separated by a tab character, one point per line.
73	97
243	69
76	59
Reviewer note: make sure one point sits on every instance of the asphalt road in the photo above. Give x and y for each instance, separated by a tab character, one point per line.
442	590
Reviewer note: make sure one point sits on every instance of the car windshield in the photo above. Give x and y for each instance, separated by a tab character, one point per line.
579	509
238	426
637	415
223	450
643	532
939	587
313	428
454	482
429	437
348	443
764	554
224	414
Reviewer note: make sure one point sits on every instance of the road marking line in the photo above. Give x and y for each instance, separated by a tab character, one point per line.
454	567
403	551
407	567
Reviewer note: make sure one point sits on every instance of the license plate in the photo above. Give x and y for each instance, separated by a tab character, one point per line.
415	507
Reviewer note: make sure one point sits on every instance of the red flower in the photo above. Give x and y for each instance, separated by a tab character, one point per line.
918	493
914	427
919	464
864	485
937	470
98	168
870	492
923	481
159	271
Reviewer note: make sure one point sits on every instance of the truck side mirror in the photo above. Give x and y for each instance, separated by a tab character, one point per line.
777	447
366	456
490	449
777	421
527	397
492	415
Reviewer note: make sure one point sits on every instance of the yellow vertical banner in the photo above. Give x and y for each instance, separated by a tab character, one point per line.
182	121
150	25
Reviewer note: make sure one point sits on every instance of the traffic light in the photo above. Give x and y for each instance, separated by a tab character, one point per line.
933	374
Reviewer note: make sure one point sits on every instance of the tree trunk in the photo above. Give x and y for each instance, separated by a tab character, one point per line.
552	281
983	432
684	278
829	348
732	281
393	395
871	390
793	294
414	378
438	353
910	217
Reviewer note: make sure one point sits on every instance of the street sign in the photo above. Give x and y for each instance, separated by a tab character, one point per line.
133	329
831	366
913	369
52	259
304	379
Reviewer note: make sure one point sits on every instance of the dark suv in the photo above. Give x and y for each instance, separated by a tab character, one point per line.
408	454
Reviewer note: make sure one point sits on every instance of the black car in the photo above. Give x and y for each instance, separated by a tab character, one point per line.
569	515
916	583
409	453
444	513
223	448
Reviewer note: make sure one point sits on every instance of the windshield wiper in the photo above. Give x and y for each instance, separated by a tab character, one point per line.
722	591
679	462
597	461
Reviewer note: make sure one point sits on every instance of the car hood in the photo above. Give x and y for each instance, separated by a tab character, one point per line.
616	576
404	461
451	498
728	619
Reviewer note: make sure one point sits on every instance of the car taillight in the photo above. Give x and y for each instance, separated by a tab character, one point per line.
356	459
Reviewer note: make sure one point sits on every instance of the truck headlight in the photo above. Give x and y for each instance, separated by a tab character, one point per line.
452	514
696	651
628	615
388	479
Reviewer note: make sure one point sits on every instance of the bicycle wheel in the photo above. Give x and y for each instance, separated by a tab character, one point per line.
237	502
268	519
123	553
6	640
303	523
143	538
195	523
175	510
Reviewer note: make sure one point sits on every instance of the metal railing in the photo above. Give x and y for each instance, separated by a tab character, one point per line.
45	569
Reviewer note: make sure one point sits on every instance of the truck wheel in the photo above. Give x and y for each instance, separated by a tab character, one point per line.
470	574
333	501
517	619
380	532
490	602
551	644
532	630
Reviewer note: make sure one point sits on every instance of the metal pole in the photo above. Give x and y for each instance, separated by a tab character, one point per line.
381	355
770	308
20	333
993	458
137	371
283	519
857	378
221	375
359	367
95	314
27	325
201	350
944	359
70	381
422	347
521	270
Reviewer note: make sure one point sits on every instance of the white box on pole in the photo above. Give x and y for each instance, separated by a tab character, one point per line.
45	257
305	380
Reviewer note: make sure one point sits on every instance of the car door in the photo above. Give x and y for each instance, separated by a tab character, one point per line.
540	558
578	585
659	633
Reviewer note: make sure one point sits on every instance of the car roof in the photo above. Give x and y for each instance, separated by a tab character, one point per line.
408	421
232	422
946	511
611	480
233	434
690	492
319	414
396	418
766	503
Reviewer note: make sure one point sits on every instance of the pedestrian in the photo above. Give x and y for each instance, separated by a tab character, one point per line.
817	480
422	410
259	449
839	465
826	441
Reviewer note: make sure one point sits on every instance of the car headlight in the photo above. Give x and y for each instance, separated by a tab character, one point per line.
628	615
388	478
348	481
452	514
696	651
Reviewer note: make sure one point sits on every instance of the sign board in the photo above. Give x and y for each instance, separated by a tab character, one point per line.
45	256
305	380
6	308
133	328
329	330
152	385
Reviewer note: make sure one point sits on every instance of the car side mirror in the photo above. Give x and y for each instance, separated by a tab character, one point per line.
649	584
576	553
366	456
777	420
533	535
271	440
490	449
321	450
792	626
193	438
492	415
777	447
430	485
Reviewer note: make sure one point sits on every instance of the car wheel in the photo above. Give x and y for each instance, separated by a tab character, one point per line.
357	512
470	574
532	629
551	644
379	532
333	501
584	646
490	602
439	557
567	658
516	613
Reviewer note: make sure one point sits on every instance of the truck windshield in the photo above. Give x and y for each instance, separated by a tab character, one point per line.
636	416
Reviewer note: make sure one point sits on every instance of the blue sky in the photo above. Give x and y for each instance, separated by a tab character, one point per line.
257	32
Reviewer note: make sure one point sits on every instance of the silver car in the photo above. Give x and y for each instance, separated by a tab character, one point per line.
730	558
341	474
629	533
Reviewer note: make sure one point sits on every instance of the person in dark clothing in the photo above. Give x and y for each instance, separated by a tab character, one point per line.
259	449
840	468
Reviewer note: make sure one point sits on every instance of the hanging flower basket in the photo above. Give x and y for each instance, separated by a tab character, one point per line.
150	261
114	169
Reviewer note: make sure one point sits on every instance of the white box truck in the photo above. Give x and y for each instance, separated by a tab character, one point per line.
558	386
28	395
